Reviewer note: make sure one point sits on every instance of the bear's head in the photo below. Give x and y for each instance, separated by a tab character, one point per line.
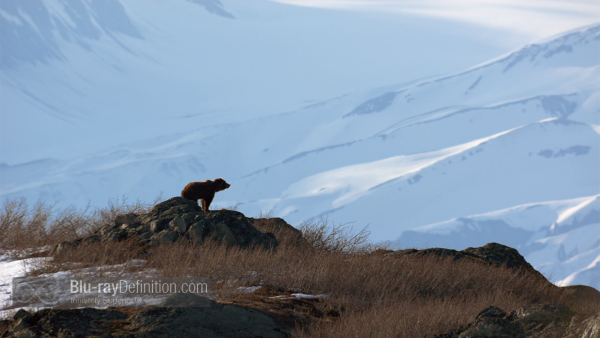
220	184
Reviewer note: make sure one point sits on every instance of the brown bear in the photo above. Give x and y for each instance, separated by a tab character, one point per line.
204	190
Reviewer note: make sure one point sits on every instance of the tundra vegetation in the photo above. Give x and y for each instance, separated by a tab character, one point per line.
370	290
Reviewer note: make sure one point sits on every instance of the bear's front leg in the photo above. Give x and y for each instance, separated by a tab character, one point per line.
206	202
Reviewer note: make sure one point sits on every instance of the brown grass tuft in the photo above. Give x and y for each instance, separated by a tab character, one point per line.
24	228
368	293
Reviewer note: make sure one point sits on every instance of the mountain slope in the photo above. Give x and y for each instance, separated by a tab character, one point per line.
538	126
108	73
409	160
543	141
560	238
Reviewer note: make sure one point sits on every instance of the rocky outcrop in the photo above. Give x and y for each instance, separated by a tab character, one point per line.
284	233
211	320
181	219
492	254
540	320
272	312
269	312
65	323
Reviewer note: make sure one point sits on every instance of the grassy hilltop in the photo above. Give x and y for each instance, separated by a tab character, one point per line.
370	290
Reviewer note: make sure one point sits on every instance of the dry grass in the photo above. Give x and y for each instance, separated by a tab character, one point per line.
23	227
336	238
322	235
87	255
409	298
375	295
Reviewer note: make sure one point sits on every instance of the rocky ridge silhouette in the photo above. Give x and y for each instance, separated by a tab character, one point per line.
269	312
181	219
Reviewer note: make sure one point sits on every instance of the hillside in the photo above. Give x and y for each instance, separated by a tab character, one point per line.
505	151
263	278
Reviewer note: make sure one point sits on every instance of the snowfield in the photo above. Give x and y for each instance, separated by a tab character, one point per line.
433	127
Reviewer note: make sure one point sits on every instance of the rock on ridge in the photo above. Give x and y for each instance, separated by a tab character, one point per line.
492	254
177	219
540	320
212	320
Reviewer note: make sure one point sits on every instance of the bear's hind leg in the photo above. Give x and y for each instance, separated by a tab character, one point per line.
206	203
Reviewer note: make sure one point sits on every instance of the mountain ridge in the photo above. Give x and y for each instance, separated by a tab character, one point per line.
541	102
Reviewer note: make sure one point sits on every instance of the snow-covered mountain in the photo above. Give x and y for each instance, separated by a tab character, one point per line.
560	238
505	151
79	77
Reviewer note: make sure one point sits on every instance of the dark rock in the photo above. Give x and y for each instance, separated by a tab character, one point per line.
178	202
5	326
179	224
21	314
21	324
23	320
181	209
164	237
102	231
222	233
493	322
498	255
235	229
210	320
438	252
125	219
64	323
586	327
216	320
492	254
543	317
144	238
130	227
160	224
179	218
197	232
139	230
539	320
283	232
114	236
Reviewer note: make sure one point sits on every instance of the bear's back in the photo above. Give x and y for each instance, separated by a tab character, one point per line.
197	190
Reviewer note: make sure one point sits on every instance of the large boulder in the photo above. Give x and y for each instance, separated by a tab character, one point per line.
540	320
491	254
499	255
284	232
211	319
62	323
215	320
181	219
